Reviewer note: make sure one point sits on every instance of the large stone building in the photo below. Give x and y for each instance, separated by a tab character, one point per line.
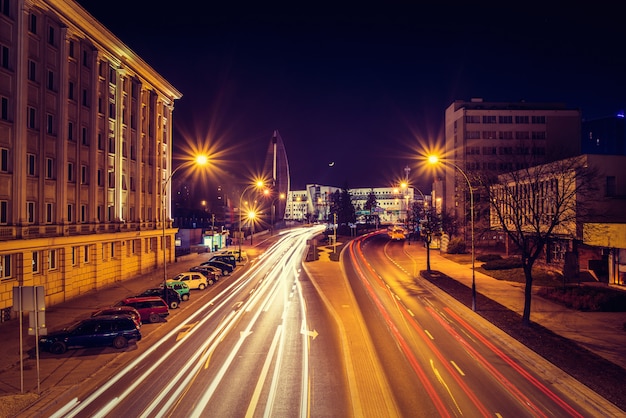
489	137
85	143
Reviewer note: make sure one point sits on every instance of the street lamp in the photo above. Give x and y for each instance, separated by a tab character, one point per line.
258	184
251	217
433	159
200	160
281	196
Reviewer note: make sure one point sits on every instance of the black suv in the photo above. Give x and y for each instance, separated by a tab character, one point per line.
115	330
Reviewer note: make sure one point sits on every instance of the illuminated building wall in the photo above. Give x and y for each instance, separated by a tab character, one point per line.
86	142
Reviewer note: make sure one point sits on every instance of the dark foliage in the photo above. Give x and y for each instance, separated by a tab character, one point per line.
488	257
587	298
456	246
503	264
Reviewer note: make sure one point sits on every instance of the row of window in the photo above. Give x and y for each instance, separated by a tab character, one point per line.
50	210
31	170
505	151
505	135
505	119
49	259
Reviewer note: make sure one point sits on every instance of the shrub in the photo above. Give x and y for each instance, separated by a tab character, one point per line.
503	264
488	257
587	298
456	246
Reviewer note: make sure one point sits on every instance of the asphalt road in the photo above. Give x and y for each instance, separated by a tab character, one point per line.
450	366
259	343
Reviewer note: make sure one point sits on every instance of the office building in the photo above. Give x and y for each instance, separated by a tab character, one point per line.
85	145
486	138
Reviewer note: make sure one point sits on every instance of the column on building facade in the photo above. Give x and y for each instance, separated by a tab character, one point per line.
118	166
62	154
20	142
95	136
137	168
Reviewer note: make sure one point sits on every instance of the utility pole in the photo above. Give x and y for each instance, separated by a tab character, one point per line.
335	232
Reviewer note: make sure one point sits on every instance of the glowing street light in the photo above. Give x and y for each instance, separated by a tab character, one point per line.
200	160
281	196
433	159
258	184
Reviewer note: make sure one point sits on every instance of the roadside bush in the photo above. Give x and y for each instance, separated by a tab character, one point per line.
488	257
586	298
503	264
456	246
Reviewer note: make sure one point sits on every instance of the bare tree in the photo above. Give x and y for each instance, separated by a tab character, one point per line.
536	204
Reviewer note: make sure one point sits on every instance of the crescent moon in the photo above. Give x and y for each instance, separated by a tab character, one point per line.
331	164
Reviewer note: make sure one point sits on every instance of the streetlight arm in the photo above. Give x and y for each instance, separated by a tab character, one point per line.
434	159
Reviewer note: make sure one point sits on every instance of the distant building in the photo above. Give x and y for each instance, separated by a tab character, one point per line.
86	146
606	136
492	137
313	203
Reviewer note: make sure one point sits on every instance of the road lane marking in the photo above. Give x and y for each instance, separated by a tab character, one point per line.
458	369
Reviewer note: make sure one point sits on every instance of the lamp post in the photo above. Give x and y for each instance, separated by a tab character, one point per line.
258	184
281	196
200	160
433	159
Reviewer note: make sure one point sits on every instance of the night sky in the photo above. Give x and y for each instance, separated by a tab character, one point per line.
362	86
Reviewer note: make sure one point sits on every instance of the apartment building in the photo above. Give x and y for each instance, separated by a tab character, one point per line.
85	147
487	138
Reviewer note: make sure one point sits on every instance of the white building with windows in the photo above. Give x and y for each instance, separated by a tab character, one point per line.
313	203
85	147
497	137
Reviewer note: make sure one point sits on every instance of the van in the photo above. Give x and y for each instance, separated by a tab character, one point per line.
150	308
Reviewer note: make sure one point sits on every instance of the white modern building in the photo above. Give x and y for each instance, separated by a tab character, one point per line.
313	203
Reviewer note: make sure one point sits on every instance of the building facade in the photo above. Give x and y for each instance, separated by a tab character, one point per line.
487	138
86	147
578	203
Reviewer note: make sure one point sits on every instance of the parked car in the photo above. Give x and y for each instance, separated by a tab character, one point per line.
181	287
151	308
193	279
226	258
224	267
216	271
172	297
234	253
115	330
211	273
119	310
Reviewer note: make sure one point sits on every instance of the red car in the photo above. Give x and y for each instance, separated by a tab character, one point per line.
150	308
119	310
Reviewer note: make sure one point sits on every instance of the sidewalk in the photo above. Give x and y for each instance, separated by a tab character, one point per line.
599	332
